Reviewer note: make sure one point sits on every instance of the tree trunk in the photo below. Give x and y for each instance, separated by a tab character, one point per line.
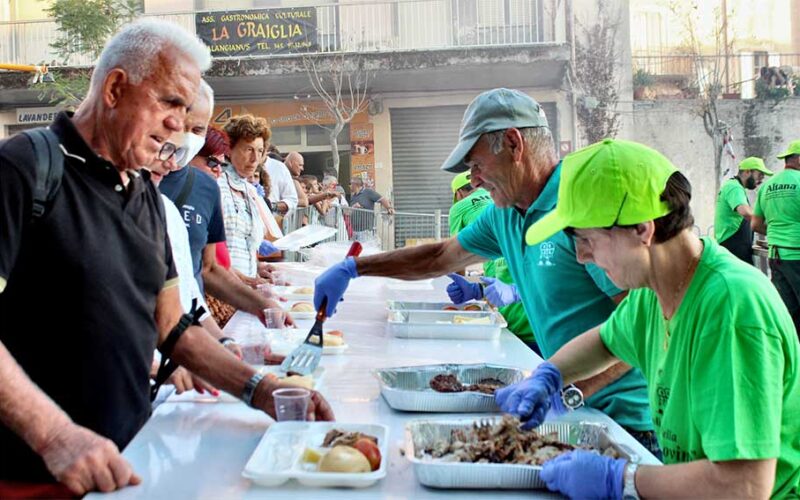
334	139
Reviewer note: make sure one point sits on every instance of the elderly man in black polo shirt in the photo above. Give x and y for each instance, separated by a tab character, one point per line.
87	291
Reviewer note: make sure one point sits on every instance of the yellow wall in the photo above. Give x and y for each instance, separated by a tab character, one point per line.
28	10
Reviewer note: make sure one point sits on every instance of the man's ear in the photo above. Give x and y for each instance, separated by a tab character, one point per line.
114	86
512	140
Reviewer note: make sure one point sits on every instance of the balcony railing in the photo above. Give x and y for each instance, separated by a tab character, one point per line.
736	72
381	26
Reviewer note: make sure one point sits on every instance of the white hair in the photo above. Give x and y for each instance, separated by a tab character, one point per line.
135	48
328	180
539	140
206	89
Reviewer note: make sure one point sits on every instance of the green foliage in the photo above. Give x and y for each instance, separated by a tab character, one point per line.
642	78
767	93
85	25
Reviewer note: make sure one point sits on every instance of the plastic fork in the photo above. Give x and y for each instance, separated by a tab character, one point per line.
305	358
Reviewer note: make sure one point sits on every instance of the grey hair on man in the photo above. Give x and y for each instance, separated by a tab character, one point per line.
136	47
538	139
329	180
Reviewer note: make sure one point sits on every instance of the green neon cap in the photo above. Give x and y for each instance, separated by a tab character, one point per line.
608	183
793	149
754	163
459	181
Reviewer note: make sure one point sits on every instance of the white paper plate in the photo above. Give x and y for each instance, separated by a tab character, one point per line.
278	456
287	306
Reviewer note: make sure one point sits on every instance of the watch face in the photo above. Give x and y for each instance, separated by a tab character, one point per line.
573	397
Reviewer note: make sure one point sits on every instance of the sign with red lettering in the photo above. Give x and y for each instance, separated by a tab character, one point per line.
258	32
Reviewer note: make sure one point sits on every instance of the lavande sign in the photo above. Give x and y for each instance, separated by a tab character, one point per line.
258	32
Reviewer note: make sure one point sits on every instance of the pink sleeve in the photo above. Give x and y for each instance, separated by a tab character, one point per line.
223	257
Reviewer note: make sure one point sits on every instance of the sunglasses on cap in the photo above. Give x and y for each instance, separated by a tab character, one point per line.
214	163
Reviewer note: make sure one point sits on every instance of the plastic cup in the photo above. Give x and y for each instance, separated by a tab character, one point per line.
266	291
254	346
274	318
291	404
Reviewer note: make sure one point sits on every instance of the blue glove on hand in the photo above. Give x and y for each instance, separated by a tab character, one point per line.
530	399
332	284
461	290
267	248
584	474
498	293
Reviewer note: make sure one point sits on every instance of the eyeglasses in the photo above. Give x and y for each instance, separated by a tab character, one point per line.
166	152
214	163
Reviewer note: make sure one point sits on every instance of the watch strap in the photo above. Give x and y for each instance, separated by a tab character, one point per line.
250	388
629	491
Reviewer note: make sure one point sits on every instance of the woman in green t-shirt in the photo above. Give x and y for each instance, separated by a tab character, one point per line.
710	334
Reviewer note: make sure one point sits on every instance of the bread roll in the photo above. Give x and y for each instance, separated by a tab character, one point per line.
303	307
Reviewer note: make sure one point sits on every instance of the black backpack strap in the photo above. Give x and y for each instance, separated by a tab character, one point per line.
49	167
187	188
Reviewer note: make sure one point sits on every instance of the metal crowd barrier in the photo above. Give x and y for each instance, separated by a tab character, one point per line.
397	230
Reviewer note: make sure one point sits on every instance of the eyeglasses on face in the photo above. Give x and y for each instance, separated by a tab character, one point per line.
214	163
167	151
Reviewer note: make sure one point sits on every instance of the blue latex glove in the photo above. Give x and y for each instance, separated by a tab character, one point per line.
332	284
259	189
498	293
584	474
461	290
530	399
267	248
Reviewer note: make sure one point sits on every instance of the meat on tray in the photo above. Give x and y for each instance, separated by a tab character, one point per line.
335	437
447	382
501	443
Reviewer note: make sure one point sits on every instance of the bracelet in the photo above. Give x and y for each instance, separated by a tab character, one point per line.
225	341
250	389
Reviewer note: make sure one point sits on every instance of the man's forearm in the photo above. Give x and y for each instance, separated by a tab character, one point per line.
24	407
419	262
223	285
591	385
583	358
203	355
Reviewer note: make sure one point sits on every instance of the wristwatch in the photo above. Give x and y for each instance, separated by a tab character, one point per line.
629	482
250	388
572	397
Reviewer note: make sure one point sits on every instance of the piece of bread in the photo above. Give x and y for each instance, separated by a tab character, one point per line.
304	381
329	340
303	307
304	290
462	320
472	307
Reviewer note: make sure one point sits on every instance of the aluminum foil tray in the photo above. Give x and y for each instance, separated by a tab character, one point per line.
408	389
440	325
421	434
400	305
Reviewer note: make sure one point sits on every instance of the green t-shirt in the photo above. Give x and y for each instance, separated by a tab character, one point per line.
727	220
462	213
466	210
562	297
724	385
778	202
513	313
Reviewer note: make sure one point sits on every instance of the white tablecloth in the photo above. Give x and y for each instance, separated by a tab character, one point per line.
198	450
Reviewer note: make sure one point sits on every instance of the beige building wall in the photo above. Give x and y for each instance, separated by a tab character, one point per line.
7	118
383	131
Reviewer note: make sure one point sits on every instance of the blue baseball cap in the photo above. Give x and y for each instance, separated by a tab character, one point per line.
497	109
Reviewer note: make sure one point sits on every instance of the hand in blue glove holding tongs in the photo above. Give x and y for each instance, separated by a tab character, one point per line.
531	399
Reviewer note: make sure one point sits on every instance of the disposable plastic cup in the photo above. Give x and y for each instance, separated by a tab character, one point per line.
274	318
254	345
291	404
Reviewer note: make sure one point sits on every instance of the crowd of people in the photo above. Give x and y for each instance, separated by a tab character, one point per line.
159	226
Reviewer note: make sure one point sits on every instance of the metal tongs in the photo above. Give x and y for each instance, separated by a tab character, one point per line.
305	358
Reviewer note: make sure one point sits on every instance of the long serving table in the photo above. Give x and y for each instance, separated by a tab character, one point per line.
199	449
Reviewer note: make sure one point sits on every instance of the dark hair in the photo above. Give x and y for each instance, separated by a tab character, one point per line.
677	195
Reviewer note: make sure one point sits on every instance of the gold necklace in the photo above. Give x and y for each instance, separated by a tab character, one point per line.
689	272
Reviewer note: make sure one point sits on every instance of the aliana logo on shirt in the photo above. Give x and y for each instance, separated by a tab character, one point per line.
546	251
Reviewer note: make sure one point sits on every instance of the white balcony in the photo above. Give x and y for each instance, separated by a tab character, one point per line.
386	26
